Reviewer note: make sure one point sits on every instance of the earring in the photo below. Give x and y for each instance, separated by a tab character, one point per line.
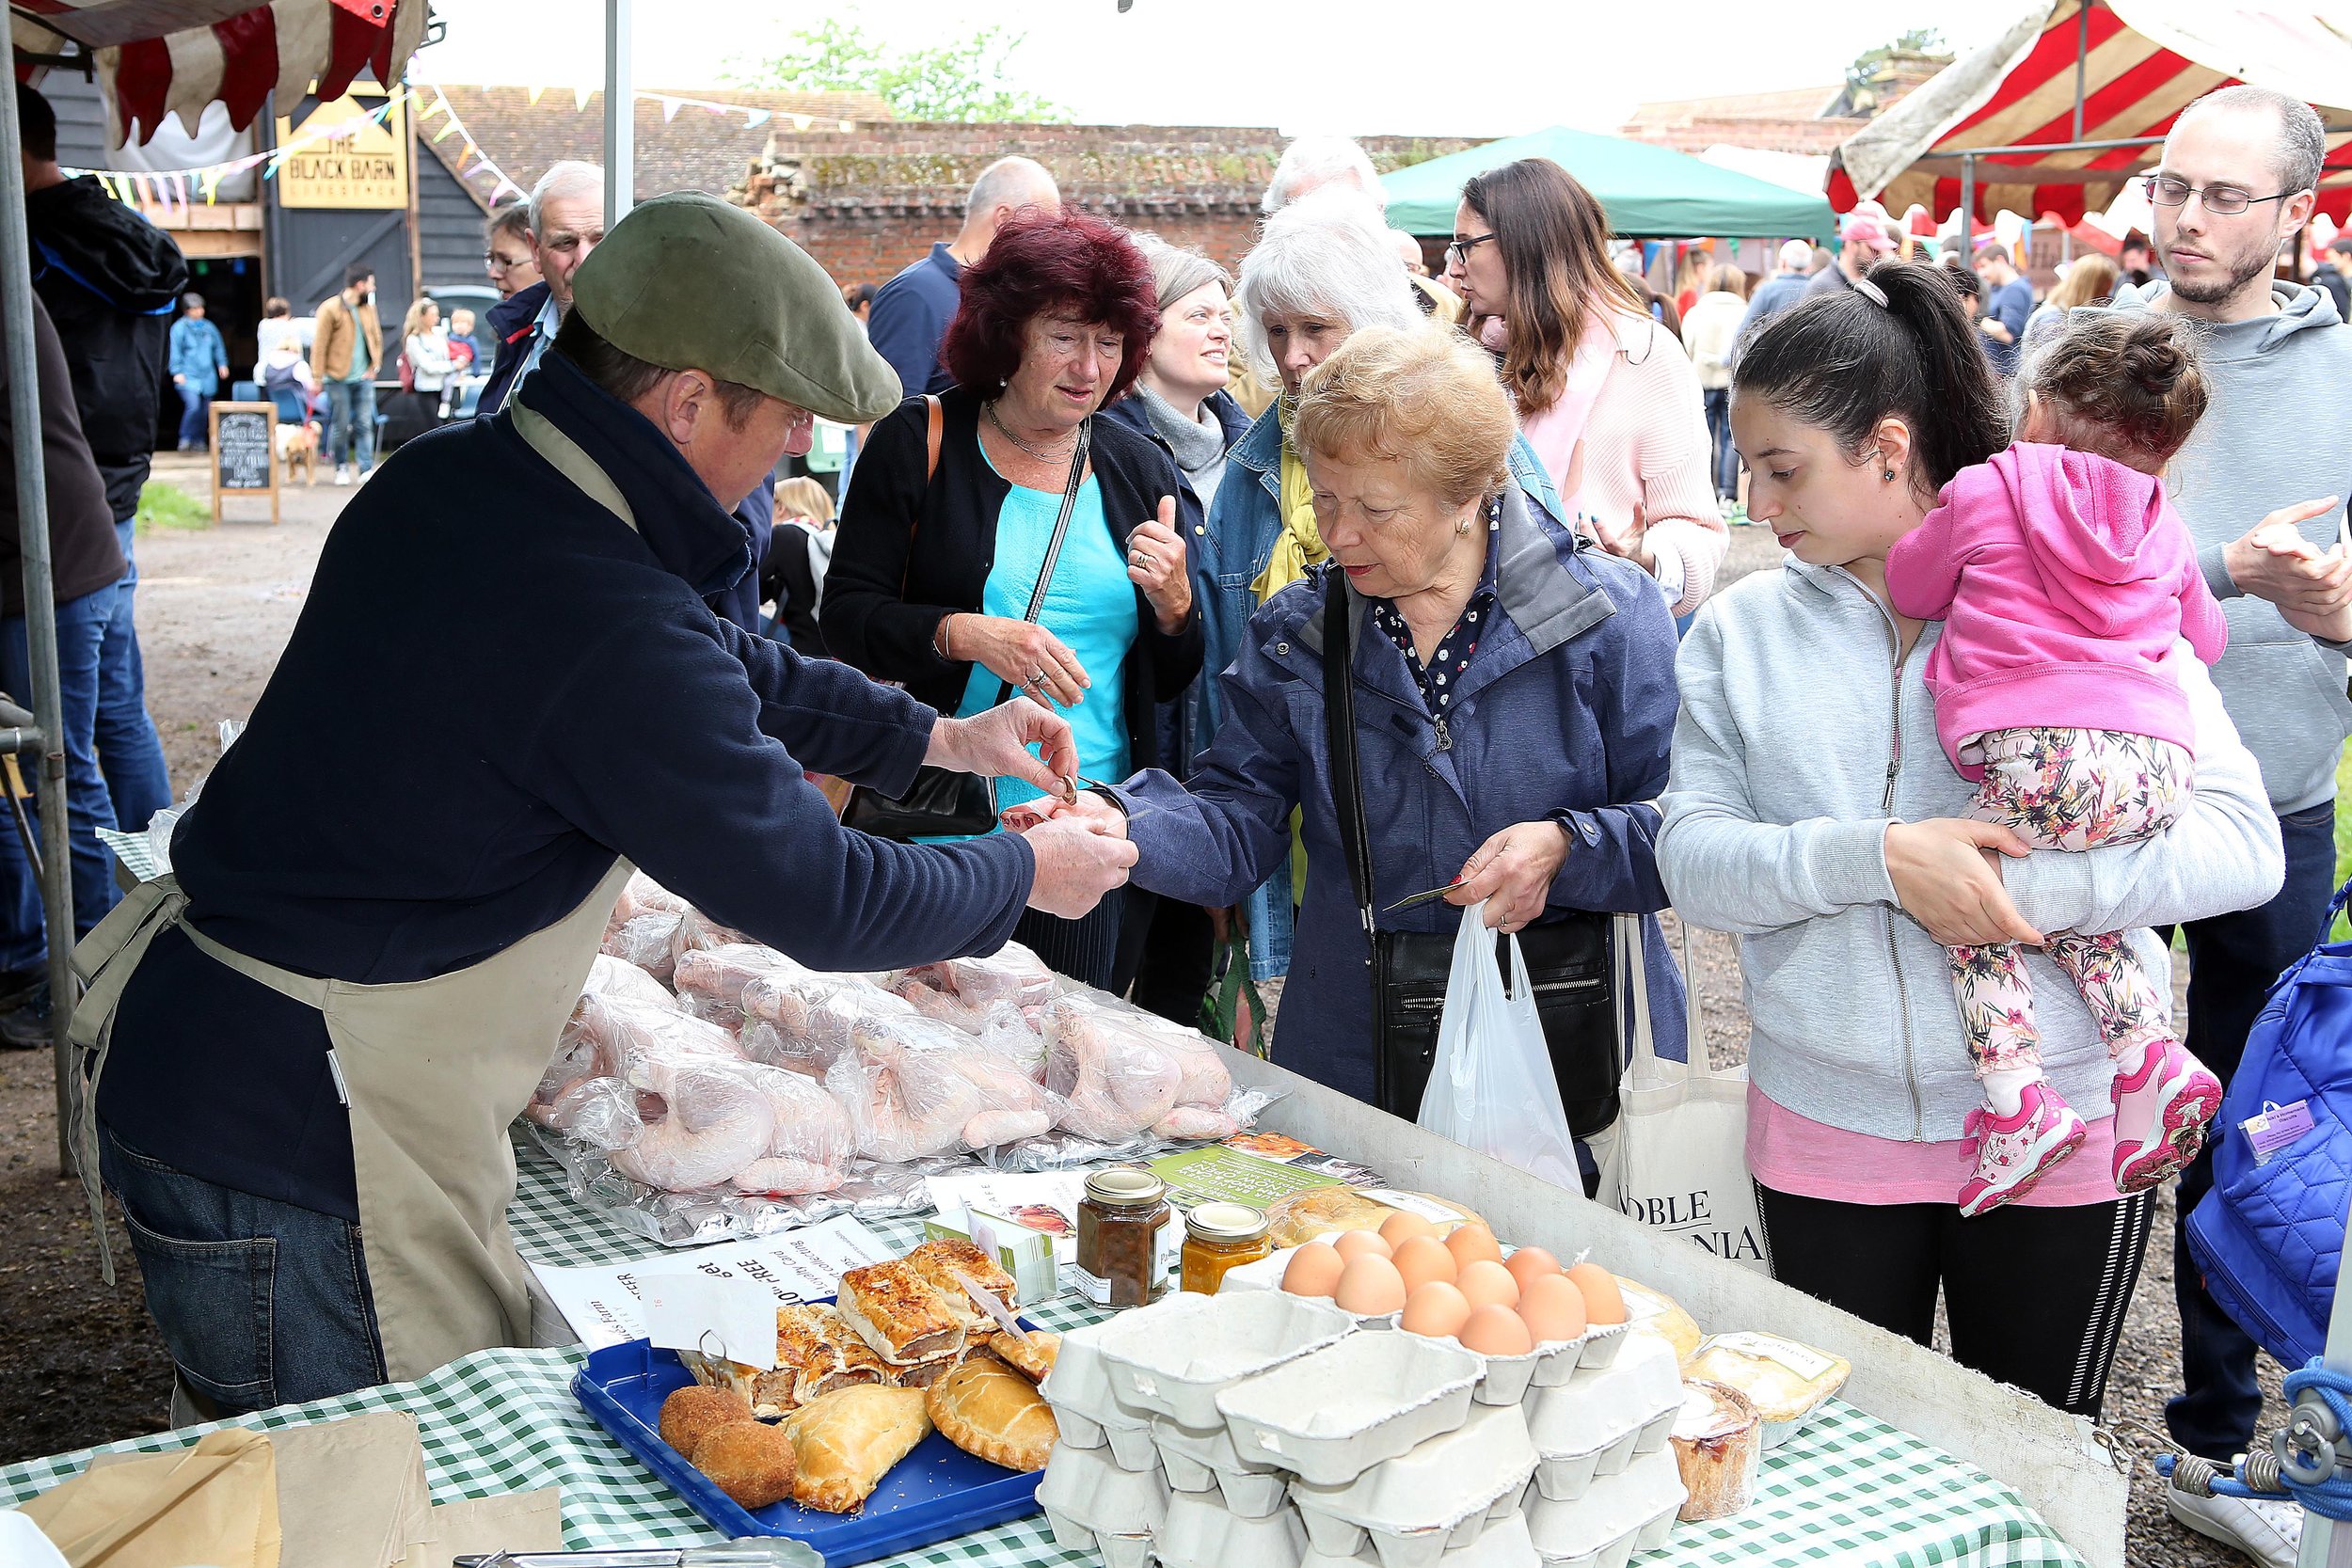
1888	475
1461	525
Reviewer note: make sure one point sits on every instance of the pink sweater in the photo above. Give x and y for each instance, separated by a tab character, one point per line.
2065	583
1645	441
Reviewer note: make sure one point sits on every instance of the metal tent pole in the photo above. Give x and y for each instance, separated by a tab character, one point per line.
1968	207
2324	1544
620	111
41	609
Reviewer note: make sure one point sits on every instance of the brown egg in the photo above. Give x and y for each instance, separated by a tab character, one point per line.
1423	1258
1531	1263
1436	1309
1495	1331
1352	1245
1370	1285
1604	1304
1404	1224
1313	1271
1487	1283
1472	1242
1552	1308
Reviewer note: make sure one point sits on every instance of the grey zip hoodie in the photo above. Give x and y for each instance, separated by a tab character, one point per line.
2277	430
1799	741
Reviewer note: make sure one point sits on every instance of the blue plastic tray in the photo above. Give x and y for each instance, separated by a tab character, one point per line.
934	1494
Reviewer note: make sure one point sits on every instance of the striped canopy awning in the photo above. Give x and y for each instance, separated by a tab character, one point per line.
2142	62
165	57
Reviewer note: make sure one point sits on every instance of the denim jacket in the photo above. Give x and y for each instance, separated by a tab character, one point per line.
1242	525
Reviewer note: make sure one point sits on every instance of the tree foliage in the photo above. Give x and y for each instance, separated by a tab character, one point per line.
962	79
1918	41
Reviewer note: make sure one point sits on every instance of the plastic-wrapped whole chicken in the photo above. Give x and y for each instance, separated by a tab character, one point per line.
813	1141
798	1019
642	895
698	933
704	1120
649	940
966	991
711	980
621	1011
1123	1072
918	1088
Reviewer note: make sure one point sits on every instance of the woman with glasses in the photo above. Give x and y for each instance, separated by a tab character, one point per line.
1605	393
506	250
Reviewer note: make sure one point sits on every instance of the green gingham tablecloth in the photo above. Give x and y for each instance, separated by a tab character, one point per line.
1848	1490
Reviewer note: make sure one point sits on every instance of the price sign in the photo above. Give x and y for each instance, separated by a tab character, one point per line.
245	453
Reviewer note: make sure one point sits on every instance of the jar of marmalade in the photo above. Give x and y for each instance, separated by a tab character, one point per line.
1121	1260
1222	1236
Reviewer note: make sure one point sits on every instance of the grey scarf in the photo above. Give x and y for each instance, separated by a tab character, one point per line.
1198	444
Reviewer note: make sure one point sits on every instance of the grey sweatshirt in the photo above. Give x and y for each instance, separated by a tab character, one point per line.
1798	743
2277	430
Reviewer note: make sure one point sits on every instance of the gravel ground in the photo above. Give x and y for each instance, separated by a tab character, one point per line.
215	608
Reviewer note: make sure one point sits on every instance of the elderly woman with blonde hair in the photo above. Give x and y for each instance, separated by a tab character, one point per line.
1465	691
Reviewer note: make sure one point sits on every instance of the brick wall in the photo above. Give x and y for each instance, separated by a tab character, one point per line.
868	201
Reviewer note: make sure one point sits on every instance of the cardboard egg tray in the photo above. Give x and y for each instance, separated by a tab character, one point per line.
1255	1429
1631	1512
1174	1360
1598	1423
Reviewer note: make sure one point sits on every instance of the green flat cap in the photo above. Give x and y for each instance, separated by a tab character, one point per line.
688	281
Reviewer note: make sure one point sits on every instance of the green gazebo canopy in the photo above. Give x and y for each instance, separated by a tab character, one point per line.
1649	191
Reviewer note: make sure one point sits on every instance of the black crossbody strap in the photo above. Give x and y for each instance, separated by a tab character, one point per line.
1338	718
1053	546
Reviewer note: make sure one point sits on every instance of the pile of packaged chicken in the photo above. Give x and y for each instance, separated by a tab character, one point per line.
698	1059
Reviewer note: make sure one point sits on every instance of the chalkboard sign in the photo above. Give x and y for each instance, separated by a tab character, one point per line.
244	452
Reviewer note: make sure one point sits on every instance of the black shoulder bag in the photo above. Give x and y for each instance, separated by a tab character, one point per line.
1568	958
943	802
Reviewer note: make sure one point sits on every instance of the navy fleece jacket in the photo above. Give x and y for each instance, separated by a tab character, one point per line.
483	703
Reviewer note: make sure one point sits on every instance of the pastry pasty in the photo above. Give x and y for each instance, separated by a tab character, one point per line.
950	1260
1032	1357
847	1441
922	1374
901	1314
987	1409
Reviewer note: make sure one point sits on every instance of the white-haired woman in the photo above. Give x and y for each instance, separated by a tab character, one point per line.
1324	267
1181	405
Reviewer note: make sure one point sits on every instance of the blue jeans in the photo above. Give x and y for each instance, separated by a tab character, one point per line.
261	1302
130	752
351	424
2233	961
82	626
195	396
1727	460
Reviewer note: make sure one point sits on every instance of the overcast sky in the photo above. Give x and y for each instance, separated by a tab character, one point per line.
1362	67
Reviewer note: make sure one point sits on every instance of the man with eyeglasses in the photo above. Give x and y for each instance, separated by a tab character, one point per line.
2238	176
566	218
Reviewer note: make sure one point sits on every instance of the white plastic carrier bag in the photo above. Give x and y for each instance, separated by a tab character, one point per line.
1492	1087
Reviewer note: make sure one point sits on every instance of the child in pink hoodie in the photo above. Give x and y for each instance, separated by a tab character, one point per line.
2067	584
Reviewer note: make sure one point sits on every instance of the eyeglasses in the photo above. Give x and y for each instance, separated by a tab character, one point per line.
493	262
1458	250
2220	200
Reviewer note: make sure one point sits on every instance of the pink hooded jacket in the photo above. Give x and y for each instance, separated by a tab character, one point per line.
2065	583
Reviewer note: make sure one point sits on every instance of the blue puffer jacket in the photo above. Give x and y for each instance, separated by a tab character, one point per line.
2270	1236
1566	709
1243	524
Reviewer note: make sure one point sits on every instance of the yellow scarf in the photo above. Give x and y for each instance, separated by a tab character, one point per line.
1299	545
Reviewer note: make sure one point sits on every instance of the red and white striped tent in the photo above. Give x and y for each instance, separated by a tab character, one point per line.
2137	62
162	56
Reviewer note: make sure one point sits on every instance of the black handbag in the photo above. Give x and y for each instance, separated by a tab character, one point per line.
943	803
1570	959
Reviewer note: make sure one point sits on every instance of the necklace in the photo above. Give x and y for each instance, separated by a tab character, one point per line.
1006	431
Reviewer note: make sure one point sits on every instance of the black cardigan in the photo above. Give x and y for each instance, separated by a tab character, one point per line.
908	554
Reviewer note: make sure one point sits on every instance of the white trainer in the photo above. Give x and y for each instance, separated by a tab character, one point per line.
2266	1533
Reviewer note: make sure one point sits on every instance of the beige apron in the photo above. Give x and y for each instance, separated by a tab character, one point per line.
431	1071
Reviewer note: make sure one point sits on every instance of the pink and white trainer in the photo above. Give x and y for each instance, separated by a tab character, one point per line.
2014	1152
2160	1114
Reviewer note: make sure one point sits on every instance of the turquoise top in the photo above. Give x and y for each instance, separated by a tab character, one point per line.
1091	605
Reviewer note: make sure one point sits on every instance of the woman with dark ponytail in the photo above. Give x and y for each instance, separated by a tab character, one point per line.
1814	812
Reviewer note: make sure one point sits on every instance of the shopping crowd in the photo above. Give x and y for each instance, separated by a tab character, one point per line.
1354	597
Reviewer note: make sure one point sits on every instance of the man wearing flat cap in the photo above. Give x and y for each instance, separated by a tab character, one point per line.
308	1041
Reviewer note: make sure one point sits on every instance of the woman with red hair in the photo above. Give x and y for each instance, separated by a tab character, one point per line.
955	513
